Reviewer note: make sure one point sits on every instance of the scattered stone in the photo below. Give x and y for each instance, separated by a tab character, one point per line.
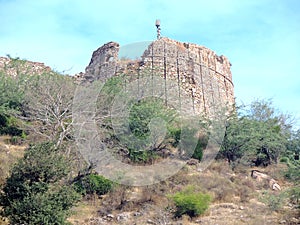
96	221
259	176
137	214
123	216
110	216
135	195
192	162
242	208
150	221
274	185
295	220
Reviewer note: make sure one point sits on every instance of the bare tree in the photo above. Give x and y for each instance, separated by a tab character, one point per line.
48	106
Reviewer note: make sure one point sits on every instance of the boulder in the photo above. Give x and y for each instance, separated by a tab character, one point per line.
260	177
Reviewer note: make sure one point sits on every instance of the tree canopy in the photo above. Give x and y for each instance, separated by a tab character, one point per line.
256	135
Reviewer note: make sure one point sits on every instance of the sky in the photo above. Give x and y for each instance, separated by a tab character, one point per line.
261	38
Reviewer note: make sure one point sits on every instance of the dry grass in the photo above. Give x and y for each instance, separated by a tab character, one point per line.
236	200
9	154
85	211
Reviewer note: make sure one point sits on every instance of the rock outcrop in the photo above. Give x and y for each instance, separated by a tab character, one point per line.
261	177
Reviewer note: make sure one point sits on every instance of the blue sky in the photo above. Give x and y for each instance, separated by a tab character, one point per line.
260	37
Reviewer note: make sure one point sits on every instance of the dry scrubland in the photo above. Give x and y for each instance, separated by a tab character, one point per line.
236	197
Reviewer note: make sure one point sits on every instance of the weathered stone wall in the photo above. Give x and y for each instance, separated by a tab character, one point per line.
103	62
13	67
197	70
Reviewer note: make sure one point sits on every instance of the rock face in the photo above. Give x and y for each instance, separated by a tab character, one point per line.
197	70
103	62
13	67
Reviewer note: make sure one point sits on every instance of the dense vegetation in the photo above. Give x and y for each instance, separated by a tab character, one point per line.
35	192
155	130
42	186
257	135
35	110
92	184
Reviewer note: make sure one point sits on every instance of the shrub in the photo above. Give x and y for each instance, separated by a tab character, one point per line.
145	141
191	202
274	201
285	160
174	133
35	192
142	156
293	173
10	125
294	195
198	153
187	136
221	188
93	184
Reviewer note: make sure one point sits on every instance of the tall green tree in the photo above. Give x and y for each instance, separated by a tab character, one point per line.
36	192
257	135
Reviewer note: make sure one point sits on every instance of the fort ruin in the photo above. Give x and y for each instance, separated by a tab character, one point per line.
197	70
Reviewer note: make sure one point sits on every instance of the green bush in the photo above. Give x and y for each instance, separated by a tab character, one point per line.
285	160
93	184
190	139
143	149
198	153
293	173
9	125
36	191
191	202
174	133
142	156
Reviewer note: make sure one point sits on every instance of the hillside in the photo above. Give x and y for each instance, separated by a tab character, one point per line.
238	198
253	179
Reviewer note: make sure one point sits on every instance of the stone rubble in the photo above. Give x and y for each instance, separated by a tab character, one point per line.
14	67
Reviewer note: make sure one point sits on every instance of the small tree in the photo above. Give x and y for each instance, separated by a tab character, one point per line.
35	192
